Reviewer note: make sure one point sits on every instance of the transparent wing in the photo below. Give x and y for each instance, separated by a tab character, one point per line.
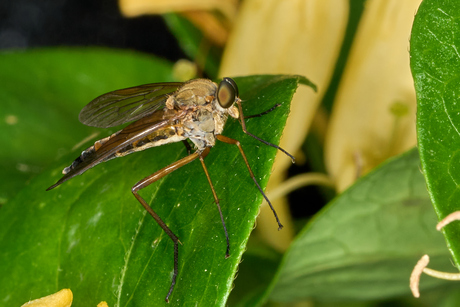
125	105
119	141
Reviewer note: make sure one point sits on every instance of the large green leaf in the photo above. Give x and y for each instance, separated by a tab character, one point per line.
435	63
364	244
255	272
92	236
41	93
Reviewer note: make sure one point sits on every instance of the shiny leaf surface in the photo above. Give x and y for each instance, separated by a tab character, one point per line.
365	243
92	236
435	63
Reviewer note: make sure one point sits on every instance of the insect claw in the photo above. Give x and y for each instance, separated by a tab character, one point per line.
227	252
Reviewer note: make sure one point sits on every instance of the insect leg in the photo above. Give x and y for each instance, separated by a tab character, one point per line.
237	143
151	179
243	125
202	156
264	113
187	145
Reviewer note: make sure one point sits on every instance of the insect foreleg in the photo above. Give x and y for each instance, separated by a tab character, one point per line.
237	143
243	126
151	179
264	113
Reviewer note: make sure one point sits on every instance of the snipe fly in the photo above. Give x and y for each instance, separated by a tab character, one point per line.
165	113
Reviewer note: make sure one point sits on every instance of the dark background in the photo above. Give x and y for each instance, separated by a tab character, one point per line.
49	23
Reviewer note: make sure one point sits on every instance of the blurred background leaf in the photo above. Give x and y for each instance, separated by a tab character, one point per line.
192	41
365	242
43	93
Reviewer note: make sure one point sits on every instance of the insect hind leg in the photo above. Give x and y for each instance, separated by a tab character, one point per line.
202	156
146	182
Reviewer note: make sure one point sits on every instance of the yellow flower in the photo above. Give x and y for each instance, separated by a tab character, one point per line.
287	37
373	117
199	12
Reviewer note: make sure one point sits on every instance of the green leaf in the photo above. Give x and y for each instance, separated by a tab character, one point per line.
364	244
255	272
193	43
41	95
92	236
435	64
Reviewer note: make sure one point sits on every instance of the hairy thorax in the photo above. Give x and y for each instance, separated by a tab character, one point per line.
204	118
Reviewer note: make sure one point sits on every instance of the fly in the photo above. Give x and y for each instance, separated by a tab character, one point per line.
165	113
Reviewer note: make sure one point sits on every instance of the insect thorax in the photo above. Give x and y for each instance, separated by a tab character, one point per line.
204	118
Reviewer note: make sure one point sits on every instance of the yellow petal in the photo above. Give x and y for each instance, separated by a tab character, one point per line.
211	26
62	298
184	70
373	116
131	8
287	37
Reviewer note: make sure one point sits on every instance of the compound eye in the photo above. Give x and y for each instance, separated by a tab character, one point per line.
227	93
